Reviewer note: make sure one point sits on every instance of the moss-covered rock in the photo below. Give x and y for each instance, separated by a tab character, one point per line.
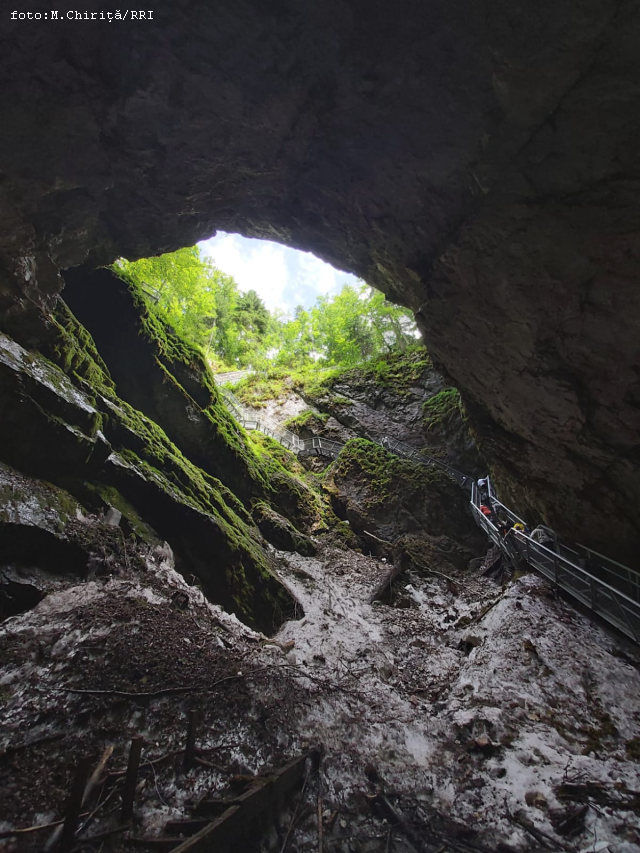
164	377
280	532
168	380
393	499
307	423
442	408
85	439
400	395
30	502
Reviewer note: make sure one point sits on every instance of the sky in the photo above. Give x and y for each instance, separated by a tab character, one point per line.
282	277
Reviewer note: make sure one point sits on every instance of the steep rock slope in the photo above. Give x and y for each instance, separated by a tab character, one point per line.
170	382
399	395
480	168
420	511
86	440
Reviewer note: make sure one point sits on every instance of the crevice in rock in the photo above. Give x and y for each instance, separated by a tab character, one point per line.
16	595
28	546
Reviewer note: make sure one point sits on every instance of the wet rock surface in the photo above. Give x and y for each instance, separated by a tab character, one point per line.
99	451
400	396
468	710
419	511
482	173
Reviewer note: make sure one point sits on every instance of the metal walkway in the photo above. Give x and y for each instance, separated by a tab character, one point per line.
323	446
606	587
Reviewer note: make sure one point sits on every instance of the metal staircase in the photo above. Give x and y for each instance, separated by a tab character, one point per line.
604	586
607	588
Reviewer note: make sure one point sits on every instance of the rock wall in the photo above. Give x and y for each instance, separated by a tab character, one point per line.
91	447
420	513
398	395
477	162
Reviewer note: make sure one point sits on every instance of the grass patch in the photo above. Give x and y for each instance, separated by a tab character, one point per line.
310	419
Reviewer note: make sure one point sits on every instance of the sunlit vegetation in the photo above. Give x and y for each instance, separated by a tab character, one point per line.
236	330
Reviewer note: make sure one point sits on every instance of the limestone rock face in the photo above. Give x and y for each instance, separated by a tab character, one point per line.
399	396
421	512
477	163
93	447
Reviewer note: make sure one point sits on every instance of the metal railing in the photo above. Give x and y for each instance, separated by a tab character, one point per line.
232	377
317	446
562	565
604	586
408	452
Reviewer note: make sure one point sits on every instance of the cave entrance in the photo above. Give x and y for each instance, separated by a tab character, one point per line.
248	304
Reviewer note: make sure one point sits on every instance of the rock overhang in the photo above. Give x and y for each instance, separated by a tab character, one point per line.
477	167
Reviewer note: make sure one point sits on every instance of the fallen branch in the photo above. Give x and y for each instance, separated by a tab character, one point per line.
440	575
204	763
9	833
393	816
484	612
294	817
541	837
11	750
98	808
118	774
100	836
377	538
63	835
69	827
320	827
172	691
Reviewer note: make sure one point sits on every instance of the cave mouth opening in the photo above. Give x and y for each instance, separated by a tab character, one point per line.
260	305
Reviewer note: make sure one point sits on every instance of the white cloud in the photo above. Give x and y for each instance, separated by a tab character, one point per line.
282	277
261	267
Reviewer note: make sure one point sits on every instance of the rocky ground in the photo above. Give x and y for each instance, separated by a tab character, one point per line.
484	716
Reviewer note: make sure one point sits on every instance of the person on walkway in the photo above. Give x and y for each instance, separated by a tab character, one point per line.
483	489
545	536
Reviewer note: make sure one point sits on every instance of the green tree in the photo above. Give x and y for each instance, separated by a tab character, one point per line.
183	287
206	306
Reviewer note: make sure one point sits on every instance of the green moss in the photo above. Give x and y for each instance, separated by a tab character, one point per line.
309	419
362	459
257	389
442	408
149	478
71	347
280	532
16	490
398	370
288	491
109	496
269	451
313	383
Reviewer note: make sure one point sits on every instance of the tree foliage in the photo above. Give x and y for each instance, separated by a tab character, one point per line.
206	306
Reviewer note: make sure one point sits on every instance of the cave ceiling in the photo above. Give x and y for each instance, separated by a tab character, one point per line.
477	161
